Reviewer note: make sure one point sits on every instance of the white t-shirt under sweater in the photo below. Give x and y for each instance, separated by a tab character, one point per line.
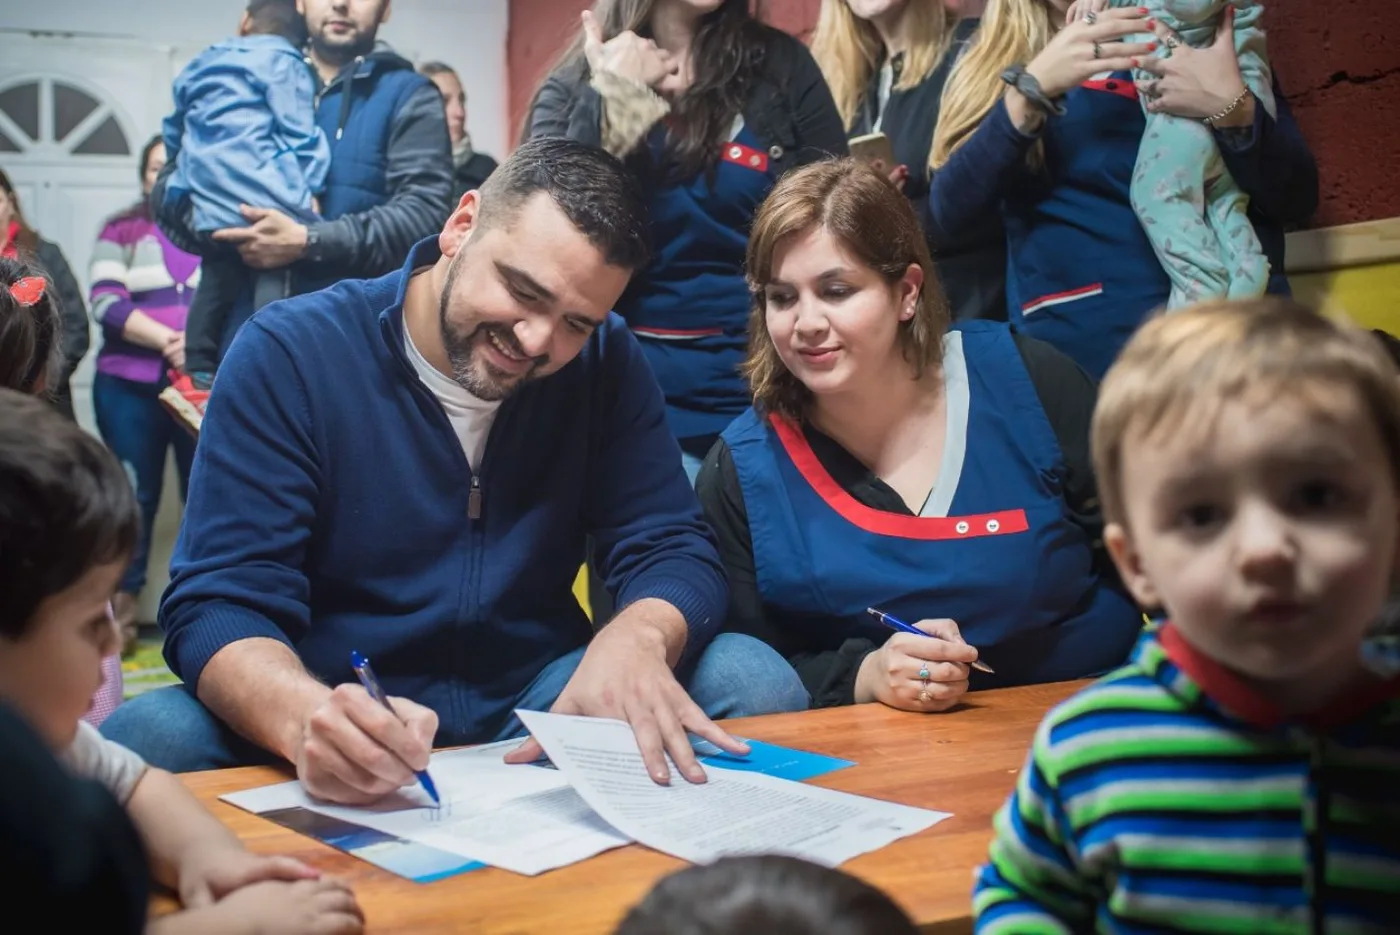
471	417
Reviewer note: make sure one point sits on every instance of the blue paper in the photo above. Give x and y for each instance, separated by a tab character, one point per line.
771	760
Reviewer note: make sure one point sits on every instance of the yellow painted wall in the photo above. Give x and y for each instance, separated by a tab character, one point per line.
1366	295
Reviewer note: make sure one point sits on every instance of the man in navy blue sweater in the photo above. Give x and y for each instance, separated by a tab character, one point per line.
408	467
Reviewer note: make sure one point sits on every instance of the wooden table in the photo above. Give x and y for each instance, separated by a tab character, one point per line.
964	762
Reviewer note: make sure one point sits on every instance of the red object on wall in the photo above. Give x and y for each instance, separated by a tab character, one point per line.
1338	61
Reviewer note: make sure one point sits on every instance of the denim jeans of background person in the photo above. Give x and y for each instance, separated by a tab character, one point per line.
346	497
736	677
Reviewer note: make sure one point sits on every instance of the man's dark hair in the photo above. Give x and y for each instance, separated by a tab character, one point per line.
66	506
277	18
765	896
593	189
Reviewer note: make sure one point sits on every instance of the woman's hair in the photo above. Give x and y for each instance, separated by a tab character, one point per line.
767	895
27	240
876	225
1012	32
849	50
726	54
141	208
66	507
30	345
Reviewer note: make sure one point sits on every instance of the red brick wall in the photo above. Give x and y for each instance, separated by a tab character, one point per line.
1339	61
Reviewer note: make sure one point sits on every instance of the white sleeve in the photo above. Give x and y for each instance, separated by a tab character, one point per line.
93	756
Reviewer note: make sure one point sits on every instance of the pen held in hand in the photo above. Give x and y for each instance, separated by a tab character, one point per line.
366	676
894	623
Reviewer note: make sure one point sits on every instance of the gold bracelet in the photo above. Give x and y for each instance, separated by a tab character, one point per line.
1234	106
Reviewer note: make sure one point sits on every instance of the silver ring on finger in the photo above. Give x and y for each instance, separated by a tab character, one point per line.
924	673
1091	17
1172	42
1098	50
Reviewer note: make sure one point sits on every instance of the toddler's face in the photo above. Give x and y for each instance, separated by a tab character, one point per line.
1270	537
51	673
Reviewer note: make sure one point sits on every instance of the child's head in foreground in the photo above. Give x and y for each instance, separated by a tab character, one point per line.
68	524
765	896
1248	460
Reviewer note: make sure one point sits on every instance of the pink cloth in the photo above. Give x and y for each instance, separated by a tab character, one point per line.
110	694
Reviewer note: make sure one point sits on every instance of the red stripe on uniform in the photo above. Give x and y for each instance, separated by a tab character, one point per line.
1056	298
879	522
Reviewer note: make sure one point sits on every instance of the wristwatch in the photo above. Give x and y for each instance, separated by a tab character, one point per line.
1030	89
313	243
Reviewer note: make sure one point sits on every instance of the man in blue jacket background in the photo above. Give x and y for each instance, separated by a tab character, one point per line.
408	467
390	176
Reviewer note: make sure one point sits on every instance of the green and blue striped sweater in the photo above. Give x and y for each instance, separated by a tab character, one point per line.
1169	797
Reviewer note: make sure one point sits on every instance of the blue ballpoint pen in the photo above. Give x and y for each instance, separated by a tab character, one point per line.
366	676
894	623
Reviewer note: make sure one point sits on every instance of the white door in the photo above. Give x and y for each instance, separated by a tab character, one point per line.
74	114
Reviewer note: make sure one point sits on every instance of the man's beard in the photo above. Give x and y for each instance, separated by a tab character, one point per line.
477	377
344	51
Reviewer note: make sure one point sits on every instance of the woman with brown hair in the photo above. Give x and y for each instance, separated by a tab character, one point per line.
939	474
21	243
707	106
887	62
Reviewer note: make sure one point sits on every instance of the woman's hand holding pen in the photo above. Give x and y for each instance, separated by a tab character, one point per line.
915	673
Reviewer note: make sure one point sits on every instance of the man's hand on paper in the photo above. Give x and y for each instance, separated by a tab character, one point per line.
626	674
354	752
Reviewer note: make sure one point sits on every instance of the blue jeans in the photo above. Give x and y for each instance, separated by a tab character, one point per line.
736	676
139	432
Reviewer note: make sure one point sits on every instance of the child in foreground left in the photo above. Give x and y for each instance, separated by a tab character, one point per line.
68	524
1240	773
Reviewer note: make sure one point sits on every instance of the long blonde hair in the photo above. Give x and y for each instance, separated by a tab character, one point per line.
848	49
1012	32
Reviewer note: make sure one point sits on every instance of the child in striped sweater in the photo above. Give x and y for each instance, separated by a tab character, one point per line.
1240	773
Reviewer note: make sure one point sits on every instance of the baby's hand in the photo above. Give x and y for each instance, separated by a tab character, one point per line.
307	907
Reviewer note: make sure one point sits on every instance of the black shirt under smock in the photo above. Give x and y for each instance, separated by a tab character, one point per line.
973	270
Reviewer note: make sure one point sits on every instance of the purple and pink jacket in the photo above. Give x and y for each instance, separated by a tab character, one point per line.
134	266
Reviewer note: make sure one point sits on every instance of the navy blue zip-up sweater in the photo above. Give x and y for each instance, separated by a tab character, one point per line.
332	508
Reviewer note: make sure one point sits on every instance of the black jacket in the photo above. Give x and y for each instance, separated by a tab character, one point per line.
470	175
789	107
72	310
972	272
65	844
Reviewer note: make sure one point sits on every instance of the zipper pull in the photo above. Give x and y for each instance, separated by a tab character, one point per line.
474	499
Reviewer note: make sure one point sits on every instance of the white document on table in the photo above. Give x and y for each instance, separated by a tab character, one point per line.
523	818
733	813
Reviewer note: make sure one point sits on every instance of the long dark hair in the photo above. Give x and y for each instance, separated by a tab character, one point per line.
27	240
141	208
30	335
726	54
